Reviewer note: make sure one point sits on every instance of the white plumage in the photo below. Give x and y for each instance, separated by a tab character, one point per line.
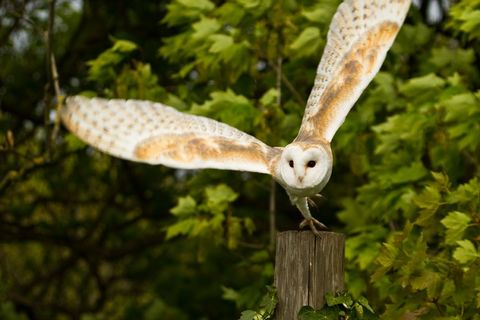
360	34
151	132
359	29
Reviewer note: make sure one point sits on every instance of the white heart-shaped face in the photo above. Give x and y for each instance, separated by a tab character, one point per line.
305	167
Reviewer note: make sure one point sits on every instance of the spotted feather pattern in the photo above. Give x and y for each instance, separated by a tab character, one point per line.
151	132
360	34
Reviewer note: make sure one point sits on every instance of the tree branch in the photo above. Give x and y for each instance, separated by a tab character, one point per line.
273	186
54	79
289	85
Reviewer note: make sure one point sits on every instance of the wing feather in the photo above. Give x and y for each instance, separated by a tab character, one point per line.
151	132
360	34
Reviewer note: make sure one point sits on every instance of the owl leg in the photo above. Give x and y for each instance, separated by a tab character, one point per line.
302	205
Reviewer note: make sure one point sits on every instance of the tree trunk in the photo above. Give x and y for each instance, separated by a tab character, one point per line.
306	268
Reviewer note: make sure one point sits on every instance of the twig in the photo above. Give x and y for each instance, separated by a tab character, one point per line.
15	175
257	246
273	186
59	98
22	173
289	85
54	79
272	213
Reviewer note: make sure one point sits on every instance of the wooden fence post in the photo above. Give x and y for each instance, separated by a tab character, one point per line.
306	268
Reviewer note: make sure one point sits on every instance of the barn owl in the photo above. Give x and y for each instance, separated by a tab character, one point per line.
360	34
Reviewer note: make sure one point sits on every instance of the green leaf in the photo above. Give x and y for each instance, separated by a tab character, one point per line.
401	131
138	82
204	5
269	97
124	46
269	301
249	315
220	193
471	21
229	294
235	110
183	227
441	179
414	172
466	18
460	106
456	222
100	69
426	280
219	197
307	42
73	143
465	252
388	255
186	206
341	299
184	11
256	7
463	115
417	86
322	13
249	4
466	193
308	313
249	225
237	58
449	60
429	198
231	13
412	36
448	289
364	302
234	232
220	42
204	28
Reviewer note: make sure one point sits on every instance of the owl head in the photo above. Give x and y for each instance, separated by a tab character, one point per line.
305	167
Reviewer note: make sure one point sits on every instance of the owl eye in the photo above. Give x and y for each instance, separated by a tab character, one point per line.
290	163
311	164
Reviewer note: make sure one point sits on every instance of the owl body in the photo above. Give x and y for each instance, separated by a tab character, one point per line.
360	34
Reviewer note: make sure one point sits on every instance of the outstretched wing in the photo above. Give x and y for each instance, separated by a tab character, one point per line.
360	34
151	132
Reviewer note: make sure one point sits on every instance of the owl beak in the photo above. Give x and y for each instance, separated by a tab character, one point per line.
300	174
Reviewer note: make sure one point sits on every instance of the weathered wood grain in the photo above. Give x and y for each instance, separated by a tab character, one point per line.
306	268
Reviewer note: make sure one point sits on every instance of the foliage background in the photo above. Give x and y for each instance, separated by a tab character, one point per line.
86	236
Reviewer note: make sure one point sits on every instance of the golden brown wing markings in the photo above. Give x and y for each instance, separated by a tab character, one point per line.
186	148
359	62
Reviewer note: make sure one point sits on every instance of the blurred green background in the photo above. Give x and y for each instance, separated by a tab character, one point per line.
87	236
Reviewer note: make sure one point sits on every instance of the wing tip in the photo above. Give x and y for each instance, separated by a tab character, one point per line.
72	102
75	100
394	10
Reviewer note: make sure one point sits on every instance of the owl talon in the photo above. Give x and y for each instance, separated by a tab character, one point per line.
311	223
